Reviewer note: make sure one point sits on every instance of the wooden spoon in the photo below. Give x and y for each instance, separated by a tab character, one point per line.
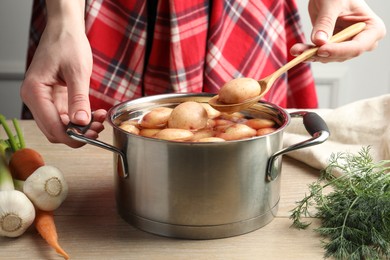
267	82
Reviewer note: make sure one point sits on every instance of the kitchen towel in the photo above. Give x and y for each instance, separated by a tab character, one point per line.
353	126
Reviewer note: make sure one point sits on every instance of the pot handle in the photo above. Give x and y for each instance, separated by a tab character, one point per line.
77	132
314	125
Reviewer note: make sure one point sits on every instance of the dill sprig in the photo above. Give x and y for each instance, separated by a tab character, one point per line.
352	200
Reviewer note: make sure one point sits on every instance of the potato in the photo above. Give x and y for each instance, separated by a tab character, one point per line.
197	122
174	134
188	115
204	133
210	123
211	112
237	132
149	132
219	122
129	122
239	90
220	125
265	131
235	117
156	118
257	123
211	139
132	129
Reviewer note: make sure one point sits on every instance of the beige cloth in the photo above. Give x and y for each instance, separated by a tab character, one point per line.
352	126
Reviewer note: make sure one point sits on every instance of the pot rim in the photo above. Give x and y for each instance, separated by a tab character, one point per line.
139	106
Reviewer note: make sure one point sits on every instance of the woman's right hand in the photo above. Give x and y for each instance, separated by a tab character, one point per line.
56	84
331	16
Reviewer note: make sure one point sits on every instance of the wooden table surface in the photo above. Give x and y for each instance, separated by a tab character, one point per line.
90	228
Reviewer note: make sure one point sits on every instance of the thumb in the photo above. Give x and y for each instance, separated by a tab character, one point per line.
324	23
78	103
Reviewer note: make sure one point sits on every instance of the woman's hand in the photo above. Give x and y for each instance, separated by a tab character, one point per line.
56	84
331	16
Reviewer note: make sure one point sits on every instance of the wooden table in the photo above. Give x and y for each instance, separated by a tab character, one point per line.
90	228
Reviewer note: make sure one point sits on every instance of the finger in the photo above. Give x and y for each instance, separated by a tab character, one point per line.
48	122
96	126
100	115
369	38
324	23
299	48
94	130
78	100
60	100
365	41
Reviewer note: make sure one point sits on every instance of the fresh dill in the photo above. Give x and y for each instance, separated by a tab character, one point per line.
352	200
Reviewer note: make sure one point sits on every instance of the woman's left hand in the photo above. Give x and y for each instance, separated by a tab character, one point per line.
331	16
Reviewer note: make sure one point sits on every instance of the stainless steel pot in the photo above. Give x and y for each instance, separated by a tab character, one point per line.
199	190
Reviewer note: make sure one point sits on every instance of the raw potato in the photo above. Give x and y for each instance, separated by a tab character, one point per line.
265	131
237	132
132	129
174	134
210	123
220	125
156	118
211	112
223	122
234	117
149	132
211	139
239	90
204	133
258	123
130	122
189	115
197	122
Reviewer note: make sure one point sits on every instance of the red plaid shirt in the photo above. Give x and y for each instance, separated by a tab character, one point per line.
196	46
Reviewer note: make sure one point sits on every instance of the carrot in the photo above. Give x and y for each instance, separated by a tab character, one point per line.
24	162
44	223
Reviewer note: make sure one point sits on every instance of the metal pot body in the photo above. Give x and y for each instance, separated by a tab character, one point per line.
196	190
193	190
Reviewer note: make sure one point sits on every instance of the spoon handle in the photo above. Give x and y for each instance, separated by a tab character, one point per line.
348	32
338	37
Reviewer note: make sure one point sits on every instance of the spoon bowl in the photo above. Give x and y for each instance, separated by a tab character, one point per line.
267	82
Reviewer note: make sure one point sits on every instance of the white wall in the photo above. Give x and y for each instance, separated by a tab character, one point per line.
338	83
14	21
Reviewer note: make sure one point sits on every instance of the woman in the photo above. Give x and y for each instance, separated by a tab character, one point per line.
93	55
